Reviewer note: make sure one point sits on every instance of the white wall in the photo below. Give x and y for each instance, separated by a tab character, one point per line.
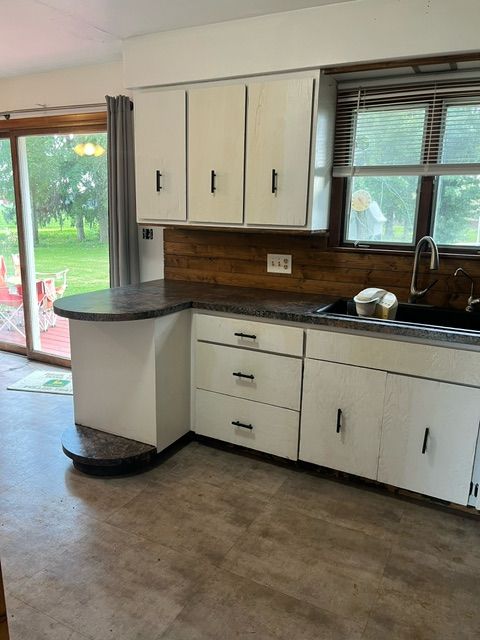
350	32
78	85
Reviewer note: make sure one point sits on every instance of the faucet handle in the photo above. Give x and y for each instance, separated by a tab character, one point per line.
432	284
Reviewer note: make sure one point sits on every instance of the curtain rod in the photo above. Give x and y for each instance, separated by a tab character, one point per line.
44	107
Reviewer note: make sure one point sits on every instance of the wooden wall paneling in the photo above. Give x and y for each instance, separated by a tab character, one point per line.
240	259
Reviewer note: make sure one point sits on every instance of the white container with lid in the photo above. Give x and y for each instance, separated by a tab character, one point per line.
378	303
366	301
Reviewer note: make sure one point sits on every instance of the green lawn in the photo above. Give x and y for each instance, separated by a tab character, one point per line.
59	249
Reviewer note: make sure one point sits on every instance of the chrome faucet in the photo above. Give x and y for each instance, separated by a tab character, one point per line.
472	302
423	243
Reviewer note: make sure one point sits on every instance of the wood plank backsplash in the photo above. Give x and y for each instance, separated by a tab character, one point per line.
236	258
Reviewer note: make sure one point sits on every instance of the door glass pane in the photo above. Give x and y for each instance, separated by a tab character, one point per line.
457	211
65	208
382	209
12	324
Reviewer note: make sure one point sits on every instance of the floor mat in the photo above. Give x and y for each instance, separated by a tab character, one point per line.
45	382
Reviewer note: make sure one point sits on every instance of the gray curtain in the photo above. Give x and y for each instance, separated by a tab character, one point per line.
123	236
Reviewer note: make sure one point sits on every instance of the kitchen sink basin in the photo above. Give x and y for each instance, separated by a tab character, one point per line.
418	314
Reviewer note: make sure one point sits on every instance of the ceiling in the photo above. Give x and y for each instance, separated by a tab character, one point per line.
40	35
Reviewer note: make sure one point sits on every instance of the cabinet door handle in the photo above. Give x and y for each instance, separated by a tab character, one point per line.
274	181
425	439
243	375
236	423
159	183
245	335
213	187
339	420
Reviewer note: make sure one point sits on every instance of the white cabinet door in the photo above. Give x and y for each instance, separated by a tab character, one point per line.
216	141
160	155
429	436
342	417
279	122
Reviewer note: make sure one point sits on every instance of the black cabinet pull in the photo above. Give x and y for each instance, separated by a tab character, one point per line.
339	420
159	184
213	187
425	439
274	181
245	335
243	375
236	423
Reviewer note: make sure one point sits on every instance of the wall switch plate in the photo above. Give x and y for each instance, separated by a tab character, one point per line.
279	263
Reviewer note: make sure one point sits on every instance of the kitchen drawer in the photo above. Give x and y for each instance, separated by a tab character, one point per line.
271	378
396	356
266	428
241	332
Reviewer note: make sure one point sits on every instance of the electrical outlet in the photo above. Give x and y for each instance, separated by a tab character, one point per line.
147	234
279	263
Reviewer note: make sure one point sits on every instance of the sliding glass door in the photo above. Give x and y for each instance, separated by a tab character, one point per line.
62	247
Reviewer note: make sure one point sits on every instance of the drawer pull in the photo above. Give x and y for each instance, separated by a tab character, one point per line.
236	423
339	420
159	184
274	181
245	335
213	186
243	375
425	440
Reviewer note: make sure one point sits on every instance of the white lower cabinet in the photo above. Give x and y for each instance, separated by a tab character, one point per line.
393	426
244	394
250	424
429	436
342	417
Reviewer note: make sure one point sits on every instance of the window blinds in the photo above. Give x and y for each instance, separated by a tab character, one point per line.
409	129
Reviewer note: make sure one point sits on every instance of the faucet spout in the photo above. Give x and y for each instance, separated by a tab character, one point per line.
423	243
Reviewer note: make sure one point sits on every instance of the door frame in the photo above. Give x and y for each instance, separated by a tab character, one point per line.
12	130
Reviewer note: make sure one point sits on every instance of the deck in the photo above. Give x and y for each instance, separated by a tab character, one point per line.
56	340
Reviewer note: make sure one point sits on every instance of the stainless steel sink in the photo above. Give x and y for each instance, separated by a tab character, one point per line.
418	314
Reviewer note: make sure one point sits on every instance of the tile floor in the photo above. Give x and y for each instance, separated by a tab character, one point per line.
211	545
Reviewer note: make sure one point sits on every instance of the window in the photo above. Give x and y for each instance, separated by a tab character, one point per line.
407	164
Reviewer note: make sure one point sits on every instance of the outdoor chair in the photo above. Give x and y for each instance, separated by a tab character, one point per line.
11	303
11	306
3	271
54	287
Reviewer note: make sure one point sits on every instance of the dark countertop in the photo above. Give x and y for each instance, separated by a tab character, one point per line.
162	297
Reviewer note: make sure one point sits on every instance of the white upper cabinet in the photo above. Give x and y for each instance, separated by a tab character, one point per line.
160	155
279	134
341	422
286	132
429	436
216	134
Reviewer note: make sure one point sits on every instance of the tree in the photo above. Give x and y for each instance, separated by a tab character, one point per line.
7	195
64	185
